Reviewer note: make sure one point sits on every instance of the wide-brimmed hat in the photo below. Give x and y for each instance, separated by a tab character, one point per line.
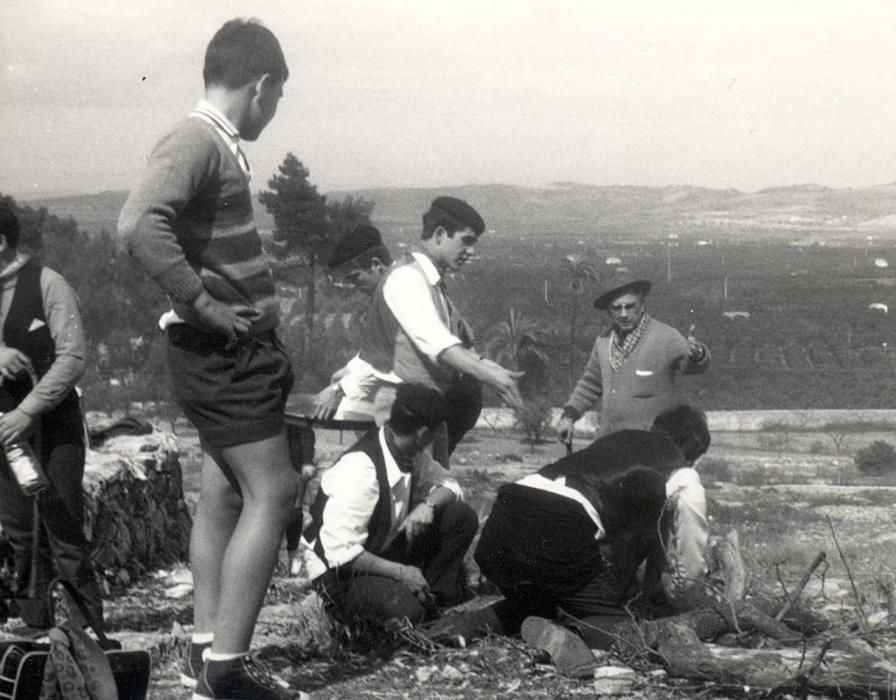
619	284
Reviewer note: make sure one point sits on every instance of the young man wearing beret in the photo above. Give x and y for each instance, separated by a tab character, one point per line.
633	366
360	259
415	334
389	526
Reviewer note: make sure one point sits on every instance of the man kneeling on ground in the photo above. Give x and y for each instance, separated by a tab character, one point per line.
390	528
569	540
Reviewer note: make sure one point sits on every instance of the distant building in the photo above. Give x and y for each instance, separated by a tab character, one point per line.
612	260
879	307
881	262
736	314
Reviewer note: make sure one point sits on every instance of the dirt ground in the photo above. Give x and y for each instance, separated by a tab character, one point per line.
782	527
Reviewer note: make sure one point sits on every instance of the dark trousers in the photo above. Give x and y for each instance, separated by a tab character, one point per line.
438	553
594	611
301	451
63	549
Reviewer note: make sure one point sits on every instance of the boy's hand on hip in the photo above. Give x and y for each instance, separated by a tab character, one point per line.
230	321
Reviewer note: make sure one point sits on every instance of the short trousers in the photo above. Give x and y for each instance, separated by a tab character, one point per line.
233	396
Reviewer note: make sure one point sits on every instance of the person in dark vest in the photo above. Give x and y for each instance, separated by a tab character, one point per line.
43	338
416	335
389	526
572	536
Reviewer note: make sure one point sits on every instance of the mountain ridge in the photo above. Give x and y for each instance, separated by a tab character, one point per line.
789	212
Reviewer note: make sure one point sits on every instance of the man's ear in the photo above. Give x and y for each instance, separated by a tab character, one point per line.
439	233
377	265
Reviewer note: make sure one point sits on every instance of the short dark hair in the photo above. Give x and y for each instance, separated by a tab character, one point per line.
242	51
365	259
686	426
10	228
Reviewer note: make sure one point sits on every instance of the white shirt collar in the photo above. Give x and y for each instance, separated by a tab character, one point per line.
433	276
210	114
206	110
393	473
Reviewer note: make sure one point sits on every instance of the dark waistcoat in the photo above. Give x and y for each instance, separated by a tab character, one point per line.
26	329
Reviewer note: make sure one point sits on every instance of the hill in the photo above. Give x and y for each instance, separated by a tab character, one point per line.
574	210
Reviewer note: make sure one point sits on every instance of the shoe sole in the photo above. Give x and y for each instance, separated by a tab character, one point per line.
187	681
571	656
298	695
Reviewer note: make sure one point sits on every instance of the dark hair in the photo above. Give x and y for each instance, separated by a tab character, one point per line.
10	228
416	407
435	217
685	426
242	51
403	421
365	259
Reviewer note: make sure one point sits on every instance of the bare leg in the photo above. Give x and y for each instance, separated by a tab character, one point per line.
217	514
267	482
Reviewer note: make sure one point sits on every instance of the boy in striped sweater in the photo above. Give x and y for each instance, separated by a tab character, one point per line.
189	223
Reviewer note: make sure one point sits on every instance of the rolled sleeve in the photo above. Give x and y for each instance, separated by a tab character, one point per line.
409	297
352	491
359	379
431	475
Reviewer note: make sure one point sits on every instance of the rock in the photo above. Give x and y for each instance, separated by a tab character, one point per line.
134	510
614	680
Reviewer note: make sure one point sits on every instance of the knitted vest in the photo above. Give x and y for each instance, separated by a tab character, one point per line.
63	423
389	349
381	518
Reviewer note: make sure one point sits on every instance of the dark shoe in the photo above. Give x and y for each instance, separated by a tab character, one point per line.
193	662
241	679
571	656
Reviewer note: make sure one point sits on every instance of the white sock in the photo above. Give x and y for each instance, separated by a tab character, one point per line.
203	638
220	656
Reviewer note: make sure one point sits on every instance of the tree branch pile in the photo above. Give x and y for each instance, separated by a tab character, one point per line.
762	643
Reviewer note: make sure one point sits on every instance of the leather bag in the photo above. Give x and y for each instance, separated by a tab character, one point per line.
73	665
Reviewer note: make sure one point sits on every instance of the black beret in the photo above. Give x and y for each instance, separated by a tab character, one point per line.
426	404
459	210
354	243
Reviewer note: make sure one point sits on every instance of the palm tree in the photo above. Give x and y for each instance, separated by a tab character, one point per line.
521	344
581	272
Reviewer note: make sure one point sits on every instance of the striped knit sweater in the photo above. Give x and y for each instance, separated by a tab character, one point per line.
189	223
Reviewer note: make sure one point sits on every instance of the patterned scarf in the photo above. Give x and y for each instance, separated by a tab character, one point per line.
618	352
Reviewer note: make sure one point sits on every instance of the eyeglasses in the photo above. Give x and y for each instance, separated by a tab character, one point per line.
619	308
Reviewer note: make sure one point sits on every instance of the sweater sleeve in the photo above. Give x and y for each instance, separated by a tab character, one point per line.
588	389
178	168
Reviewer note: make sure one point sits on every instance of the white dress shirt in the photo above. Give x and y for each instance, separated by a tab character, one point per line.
353	492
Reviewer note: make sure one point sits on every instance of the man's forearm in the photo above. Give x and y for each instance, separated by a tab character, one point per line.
369	563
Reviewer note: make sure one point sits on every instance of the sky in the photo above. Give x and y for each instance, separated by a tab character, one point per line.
416	93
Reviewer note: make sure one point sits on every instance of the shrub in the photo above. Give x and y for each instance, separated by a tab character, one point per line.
816	447
876	459
534	418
